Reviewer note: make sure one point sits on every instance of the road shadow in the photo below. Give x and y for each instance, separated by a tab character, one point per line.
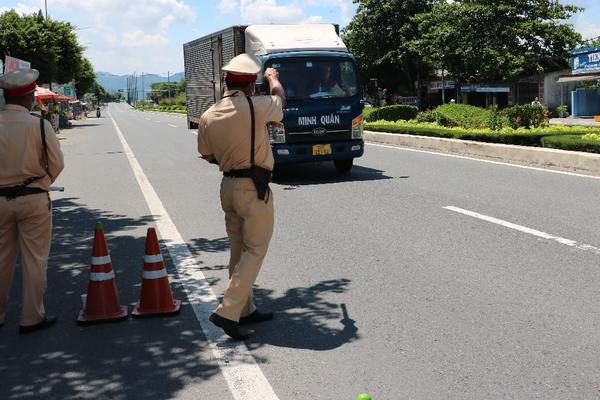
305	318
323	173
200	245
149	358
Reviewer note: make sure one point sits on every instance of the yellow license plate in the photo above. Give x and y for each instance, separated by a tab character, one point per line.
321	149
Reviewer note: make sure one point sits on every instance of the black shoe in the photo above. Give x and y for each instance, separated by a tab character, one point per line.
229	327
46	322
256	317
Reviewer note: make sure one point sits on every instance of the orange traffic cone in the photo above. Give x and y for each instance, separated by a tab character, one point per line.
102	304
156	298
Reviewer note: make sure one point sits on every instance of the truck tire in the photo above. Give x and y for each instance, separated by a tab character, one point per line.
343	166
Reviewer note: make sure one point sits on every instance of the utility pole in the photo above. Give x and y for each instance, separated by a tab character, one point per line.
169	85
143	89
46	7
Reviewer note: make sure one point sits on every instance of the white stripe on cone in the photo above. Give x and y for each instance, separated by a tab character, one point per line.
161	273
100	260
102	276
153	258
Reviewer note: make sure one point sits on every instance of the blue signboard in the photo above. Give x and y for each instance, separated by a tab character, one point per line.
585	60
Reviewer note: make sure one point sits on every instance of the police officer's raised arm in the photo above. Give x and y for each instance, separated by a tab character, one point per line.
276	88
274	110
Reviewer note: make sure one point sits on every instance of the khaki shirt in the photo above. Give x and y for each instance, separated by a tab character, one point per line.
21	149
224	130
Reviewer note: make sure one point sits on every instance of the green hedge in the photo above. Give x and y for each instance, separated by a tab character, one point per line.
462	115
367	111
393	113
538	137
162	108
571	142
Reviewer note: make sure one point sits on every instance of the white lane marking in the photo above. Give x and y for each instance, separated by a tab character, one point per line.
485	161
147	119
173	126
524	229
243	375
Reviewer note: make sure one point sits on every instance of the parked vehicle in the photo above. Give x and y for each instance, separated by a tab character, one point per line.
323	115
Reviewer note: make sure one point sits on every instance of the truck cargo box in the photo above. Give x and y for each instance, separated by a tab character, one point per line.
203	60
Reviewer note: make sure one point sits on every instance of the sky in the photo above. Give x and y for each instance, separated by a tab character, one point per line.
123	37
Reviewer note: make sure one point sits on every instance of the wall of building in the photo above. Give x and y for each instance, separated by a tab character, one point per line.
552	90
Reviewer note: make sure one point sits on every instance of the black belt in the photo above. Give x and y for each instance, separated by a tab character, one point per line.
238	173
17	191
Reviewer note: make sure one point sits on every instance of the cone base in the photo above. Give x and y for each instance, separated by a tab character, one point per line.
164	312
89	320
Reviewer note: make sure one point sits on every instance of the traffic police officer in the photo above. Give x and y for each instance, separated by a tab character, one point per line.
224	137
30	160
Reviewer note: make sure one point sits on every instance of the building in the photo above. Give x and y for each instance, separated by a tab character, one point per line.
583	83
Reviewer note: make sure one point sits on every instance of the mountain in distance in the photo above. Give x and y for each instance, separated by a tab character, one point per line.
112	83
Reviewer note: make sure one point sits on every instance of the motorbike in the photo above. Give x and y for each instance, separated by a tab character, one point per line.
98	112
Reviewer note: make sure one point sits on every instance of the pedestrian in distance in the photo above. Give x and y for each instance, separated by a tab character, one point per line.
536	102
30	160
233	134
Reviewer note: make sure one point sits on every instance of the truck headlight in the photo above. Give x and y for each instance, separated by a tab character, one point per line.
357	127
276	132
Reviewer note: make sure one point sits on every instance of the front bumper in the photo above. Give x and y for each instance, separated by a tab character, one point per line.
303	152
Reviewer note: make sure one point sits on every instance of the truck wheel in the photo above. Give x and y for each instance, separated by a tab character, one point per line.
343	166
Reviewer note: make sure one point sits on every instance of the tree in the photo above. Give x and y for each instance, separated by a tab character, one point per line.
379	36
85	79
51	46
161	90
487	40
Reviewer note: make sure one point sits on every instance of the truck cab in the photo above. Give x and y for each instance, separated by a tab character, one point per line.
323	114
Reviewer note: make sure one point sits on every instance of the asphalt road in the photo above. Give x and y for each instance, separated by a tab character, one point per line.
417	276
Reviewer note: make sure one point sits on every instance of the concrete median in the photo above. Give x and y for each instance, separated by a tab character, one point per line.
588	163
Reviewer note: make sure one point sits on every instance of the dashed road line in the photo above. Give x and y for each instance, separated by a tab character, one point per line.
243	375
524	229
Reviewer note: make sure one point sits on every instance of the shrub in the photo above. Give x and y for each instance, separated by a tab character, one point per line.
496	120
368	111
426	116
562	111
561	137
462	115
592	137
527	116
393	113
573	143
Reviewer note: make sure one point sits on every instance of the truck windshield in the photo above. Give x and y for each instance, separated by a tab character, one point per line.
317	79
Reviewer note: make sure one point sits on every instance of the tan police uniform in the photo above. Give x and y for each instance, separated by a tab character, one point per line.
25	220
225	133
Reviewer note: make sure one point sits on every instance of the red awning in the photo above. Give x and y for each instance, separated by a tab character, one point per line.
44	94
63	99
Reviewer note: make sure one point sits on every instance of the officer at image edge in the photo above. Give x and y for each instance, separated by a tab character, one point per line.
30	160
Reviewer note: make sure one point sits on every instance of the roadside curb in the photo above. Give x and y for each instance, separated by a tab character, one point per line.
541	157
